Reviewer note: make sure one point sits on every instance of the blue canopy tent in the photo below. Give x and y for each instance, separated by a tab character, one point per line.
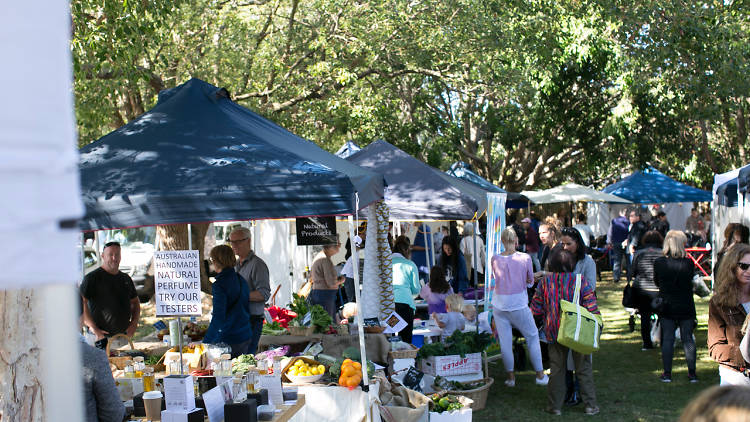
650	186
197	157
417	191
463	171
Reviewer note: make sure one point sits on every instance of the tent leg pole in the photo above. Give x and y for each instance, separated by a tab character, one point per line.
429	250
360	321
190	236
476	276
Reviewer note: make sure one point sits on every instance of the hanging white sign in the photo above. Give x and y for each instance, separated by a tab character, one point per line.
178	283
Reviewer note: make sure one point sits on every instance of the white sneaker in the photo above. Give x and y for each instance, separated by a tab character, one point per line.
510	383
543	381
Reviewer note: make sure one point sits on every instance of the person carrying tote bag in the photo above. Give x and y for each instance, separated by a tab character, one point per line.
560	284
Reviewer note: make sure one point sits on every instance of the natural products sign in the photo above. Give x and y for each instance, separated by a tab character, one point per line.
178	283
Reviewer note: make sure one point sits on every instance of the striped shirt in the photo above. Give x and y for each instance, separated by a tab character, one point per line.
549	292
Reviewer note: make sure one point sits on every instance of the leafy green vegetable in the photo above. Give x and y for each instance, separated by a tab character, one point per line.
151	360
273	329
242	363
459	343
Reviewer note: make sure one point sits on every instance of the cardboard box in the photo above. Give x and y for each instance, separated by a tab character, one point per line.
461	415
452	364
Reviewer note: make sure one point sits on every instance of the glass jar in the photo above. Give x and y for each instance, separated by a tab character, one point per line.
129	371
148	380
251	379
138	366
262	367
239	391
226	365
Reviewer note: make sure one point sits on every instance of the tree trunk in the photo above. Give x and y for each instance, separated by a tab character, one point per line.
174	238
21	393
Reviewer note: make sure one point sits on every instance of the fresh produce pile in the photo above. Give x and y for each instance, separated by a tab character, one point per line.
319	317
303	369
242	363
351	374
459	343
282	316
350	353
273	329
447	403
195	331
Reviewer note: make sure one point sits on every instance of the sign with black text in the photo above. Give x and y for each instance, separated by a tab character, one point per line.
178	283
316	231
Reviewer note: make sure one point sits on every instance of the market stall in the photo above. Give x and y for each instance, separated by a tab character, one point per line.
196	157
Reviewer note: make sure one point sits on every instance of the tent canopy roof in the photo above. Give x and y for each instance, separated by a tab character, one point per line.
726	185
650	186
463	171
571	192
197	156
417	191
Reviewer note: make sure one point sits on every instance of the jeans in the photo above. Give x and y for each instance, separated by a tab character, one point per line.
256	328
558	357
616	254
667	342
326	299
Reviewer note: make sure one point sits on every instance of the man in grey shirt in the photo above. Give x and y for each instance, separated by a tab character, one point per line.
255	271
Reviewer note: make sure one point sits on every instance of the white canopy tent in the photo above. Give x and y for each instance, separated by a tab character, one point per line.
571	192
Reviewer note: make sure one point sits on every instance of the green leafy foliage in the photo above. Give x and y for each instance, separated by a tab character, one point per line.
458	343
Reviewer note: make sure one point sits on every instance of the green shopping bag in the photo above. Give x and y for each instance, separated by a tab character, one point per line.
580	330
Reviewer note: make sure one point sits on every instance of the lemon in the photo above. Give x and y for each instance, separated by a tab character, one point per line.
321	369
308	374
314	371
299	363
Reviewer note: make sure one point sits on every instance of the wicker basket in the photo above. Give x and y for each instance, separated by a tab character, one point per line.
479	394
404	354
301	331
119	361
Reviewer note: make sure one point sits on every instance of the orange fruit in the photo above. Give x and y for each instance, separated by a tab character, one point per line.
357	365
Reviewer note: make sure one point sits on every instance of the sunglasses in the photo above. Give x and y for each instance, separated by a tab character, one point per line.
743	266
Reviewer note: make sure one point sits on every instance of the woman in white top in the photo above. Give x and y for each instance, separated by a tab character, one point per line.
513	274
467	248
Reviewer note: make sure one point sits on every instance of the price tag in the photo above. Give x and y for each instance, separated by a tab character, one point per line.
412	379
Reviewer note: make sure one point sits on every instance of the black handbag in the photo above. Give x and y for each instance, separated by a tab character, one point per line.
628	296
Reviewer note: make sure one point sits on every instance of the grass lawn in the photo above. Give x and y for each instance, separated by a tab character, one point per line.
626	378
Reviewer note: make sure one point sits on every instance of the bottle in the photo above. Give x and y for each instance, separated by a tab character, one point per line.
129	371
252	374
226	365
239	391
138	366
148	380
262	367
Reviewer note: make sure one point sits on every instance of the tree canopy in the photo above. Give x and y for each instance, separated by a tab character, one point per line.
530	93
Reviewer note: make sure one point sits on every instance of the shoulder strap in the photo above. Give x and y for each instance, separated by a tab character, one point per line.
577	294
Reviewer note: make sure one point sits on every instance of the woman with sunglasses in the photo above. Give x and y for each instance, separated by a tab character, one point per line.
673	275
727	311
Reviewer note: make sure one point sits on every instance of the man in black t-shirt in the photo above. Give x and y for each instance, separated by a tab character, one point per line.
110	302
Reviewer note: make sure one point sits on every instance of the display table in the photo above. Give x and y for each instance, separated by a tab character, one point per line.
287	411
335	404
377	345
